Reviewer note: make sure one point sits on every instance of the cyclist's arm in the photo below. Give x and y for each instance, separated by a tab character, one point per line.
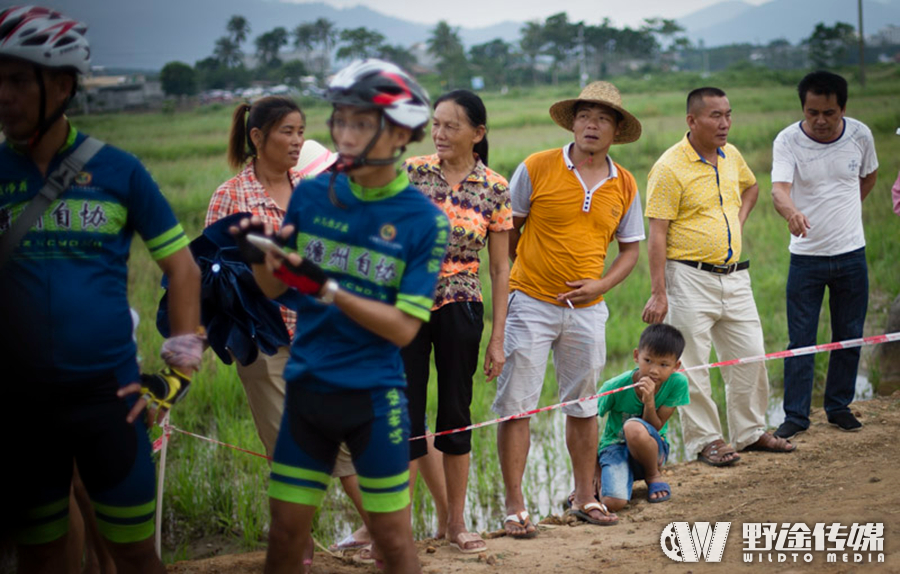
184	291
380	318
385	320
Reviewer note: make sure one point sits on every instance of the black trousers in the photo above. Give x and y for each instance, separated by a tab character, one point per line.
454	332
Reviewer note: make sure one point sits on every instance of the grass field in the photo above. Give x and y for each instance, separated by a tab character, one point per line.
213	492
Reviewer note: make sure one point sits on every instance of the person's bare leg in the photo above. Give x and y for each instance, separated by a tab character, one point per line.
433	473
581	441
136	557
289	534
351	487
456	470
392	533
645	451
513	443
75	539
39	558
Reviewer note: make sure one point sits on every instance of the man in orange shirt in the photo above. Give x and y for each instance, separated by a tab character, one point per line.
568	205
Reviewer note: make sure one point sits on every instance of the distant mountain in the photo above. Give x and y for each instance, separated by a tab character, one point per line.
145	34
793	20
714	15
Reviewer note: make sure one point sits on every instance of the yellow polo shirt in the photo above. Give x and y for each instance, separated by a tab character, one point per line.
701	202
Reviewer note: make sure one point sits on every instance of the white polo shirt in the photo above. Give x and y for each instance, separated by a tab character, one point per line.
824	180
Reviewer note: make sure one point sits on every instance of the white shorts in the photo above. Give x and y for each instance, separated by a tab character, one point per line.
577	338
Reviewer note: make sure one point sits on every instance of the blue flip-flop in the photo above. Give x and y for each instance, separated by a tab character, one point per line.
654	487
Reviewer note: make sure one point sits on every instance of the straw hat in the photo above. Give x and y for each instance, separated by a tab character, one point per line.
314	159
563	113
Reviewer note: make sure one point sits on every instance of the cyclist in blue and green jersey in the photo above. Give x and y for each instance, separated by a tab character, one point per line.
368	250
69	359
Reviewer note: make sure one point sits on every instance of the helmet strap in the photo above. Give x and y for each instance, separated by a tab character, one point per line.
361	160
44	122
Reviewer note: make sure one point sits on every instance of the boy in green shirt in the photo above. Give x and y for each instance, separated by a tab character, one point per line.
633	444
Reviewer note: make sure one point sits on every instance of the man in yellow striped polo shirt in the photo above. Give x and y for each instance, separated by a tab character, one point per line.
699	194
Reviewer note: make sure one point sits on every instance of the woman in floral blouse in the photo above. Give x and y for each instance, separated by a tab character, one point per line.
476	200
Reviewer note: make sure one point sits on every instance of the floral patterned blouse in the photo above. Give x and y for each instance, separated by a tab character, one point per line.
477	206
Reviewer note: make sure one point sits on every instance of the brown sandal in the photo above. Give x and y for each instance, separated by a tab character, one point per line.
715	453
770	443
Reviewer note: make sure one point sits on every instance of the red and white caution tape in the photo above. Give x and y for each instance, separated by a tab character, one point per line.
811	350
169	429
525	414
849	344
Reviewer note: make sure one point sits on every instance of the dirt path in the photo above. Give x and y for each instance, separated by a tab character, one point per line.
833	477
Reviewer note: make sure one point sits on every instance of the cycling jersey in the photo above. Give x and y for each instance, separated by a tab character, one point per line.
385	244
66	341
63	294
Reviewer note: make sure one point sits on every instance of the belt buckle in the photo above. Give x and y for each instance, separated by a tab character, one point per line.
722	269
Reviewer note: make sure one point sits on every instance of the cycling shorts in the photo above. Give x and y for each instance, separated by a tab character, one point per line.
374	424
82	422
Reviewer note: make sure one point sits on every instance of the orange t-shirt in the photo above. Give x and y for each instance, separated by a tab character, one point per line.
568	228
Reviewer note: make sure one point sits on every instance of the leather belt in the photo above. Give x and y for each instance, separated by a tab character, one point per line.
717	269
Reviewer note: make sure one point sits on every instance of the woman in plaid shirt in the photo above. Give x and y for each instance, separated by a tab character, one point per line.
265	142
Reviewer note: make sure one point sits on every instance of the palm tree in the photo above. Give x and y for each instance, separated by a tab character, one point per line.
359	43
326	36
445	45
398	55
269	44
322	34
305	36
532	44
227	52
239	28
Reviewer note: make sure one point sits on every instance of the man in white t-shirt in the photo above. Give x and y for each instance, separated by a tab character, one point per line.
822	170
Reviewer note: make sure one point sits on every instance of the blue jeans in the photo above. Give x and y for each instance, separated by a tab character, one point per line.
847	279
619	470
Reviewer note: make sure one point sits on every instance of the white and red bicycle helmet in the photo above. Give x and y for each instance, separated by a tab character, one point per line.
375	83
44	37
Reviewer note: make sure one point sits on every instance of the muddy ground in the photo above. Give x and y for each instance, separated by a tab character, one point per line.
833	477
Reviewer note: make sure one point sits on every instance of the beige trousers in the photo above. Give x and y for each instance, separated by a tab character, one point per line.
718	310
263	381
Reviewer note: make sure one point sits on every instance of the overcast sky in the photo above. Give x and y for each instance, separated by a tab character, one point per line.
480	13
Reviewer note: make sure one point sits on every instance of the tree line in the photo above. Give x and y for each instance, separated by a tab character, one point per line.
547	51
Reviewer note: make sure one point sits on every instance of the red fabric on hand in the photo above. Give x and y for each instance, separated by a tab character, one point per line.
299	282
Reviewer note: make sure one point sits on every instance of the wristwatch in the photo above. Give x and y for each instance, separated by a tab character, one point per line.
329	290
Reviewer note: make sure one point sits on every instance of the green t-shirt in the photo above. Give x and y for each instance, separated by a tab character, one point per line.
624	405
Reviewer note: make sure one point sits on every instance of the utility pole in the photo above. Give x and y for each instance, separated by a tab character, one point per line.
582	64
862	47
